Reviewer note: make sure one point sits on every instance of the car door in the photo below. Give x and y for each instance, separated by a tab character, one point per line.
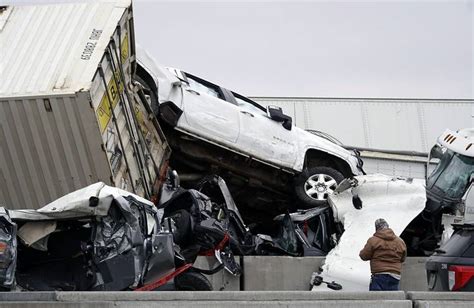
207	114
263	137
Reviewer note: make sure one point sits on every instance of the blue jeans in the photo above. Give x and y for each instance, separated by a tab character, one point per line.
384	282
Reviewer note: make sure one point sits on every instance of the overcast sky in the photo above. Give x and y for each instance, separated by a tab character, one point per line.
419	49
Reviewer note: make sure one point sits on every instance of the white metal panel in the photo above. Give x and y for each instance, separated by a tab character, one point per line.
386	124
408	169
455	116
461	143
54	48
393	125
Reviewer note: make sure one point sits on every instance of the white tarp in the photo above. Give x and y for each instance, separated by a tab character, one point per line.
396	200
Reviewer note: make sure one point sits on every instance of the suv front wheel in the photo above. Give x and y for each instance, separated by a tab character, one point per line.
314	185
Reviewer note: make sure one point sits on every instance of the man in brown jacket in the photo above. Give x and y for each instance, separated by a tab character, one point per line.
386	253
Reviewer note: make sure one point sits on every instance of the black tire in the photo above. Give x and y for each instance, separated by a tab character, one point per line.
318	198
192	281
182	235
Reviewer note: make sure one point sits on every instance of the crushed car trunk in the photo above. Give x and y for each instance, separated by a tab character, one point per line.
97	238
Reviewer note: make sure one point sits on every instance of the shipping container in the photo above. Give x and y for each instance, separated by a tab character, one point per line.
387	124
70	114
394	136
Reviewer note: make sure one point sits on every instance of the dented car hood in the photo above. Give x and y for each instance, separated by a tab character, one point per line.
397	200
93	200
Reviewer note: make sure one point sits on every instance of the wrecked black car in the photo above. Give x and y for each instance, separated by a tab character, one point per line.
205	220
98	238
311	232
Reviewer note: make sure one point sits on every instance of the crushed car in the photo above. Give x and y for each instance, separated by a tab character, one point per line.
205	220
205	226
98	238
318	230
257	150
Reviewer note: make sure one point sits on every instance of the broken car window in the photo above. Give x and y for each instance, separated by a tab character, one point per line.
246	105
202	87
287	238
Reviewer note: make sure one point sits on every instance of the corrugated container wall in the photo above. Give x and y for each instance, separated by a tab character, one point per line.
47	154
396	133
385	124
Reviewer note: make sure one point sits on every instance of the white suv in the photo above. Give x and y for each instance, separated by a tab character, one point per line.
214	129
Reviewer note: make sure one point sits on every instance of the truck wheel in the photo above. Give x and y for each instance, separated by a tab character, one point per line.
314	185
192	281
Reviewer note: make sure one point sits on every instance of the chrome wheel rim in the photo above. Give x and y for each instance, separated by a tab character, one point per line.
320	186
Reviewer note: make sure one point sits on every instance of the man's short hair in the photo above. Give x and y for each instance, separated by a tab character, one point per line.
380	224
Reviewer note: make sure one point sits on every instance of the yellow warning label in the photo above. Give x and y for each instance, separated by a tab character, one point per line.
115	88
125	47
140	119
103	112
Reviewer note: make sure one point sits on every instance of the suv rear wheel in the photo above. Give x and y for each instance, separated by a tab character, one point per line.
314	185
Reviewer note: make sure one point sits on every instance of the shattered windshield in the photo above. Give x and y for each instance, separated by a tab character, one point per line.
451	176
287	238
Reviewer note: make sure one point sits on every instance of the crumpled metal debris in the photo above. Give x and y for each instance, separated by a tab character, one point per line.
397	200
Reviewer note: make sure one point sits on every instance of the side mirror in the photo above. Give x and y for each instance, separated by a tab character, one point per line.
436	152
356	201
174	179
276	114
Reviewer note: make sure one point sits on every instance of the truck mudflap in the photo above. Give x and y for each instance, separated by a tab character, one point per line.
397	200
8	246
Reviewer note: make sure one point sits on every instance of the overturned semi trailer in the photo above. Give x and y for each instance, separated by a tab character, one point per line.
70	113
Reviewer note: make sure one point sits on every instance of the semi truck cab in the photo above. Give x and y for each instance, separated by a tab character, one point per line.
453	177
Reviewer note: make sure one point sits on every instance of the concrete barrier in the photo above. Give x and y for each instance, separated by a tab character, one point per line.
221	280
230	296
266	273
414	275
233	299
27	296
204	304
441	299
209	299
